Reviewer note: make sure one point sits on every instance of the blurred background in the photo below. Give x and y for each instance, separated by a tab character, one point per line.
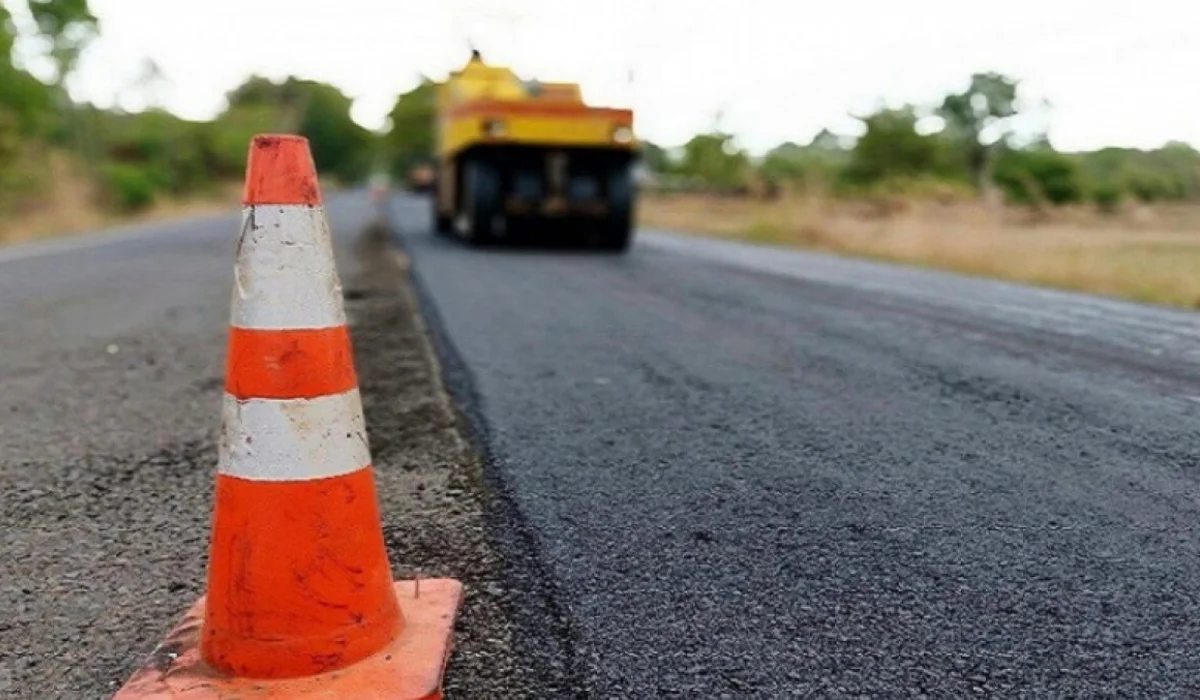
1046	142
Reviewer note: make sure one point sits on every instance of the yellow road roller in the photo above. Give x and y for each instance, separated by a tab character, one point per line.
514	155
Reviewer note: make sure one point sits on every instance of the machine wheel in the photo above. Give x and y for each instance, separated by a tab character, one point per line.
481	201
617	233
617	240
442	224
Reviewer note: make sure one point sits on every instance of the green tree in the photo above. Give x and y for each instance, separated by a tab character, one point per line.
786	162
285	102
340	146
410	137
8	36
23	98
25	107
655	158
978	118
817	162
228	137
317	111
1163	174
1041	175
68	25
172	153
891	147
715	160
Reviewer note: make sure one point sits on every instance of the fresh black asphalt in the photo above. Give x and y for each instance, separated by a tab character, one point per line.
733	471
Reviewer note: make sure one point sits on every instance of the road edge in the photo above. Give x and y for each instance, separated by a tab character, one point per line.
550	650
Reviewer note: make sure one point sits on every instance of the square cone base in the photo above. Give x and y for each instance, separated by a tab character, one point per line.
410	668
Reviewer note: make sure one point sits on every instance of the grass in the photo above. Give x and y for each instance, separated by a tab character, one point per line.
69	206
1147	254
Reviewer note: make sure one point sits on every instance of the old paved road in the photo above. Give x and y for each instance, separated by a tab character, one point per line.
739	472
111	362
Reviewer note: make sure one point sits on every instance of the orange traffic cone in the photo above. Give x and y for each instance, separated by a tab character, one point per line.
300	599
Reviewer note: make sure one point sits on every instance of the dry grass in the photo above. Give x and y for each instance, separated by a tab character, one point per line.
69	207
1145	254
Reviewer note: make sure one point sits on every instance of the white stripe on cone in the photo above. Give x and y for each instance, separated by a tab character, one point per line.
285	276
293	439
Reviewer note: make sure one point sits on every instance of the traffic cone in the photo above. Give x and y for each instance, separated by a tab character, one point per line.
300	599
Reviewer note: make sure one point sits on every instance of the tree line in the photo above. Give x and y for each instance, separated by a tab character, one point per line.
134	158
963	146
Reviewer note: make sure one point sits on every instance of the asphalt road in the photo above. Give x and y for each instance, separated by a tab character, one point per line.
729	471
708	470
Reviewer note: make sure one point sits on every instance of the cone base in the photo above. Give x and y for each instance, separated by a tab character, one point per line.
410	668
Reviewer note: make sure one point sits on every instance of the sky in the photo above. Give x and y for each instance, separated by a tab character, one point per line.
1113	72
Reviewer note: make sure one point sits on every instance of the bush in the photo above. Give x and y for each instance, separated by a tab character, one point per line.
321	113
928	188
127	188
1107	196
1038	176
892	148
228	137
23	167
716	160
411	138
173	153
1149	187
1170	173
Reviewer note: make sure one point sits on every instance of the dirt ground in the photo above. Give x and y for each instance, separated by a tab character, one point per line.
1142	252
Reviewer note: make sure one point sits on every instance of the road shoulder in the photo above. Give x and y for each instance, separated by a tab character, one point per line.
433	498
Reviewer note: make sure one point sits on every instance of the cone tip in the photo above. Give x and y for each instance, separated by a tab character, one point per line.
280	170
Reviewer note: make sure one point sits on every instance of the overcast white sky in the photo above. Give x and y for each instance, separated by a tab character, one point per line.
1115	72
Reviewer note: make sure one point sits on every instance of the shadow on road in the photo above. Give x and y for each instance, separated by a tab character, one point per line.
530	238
